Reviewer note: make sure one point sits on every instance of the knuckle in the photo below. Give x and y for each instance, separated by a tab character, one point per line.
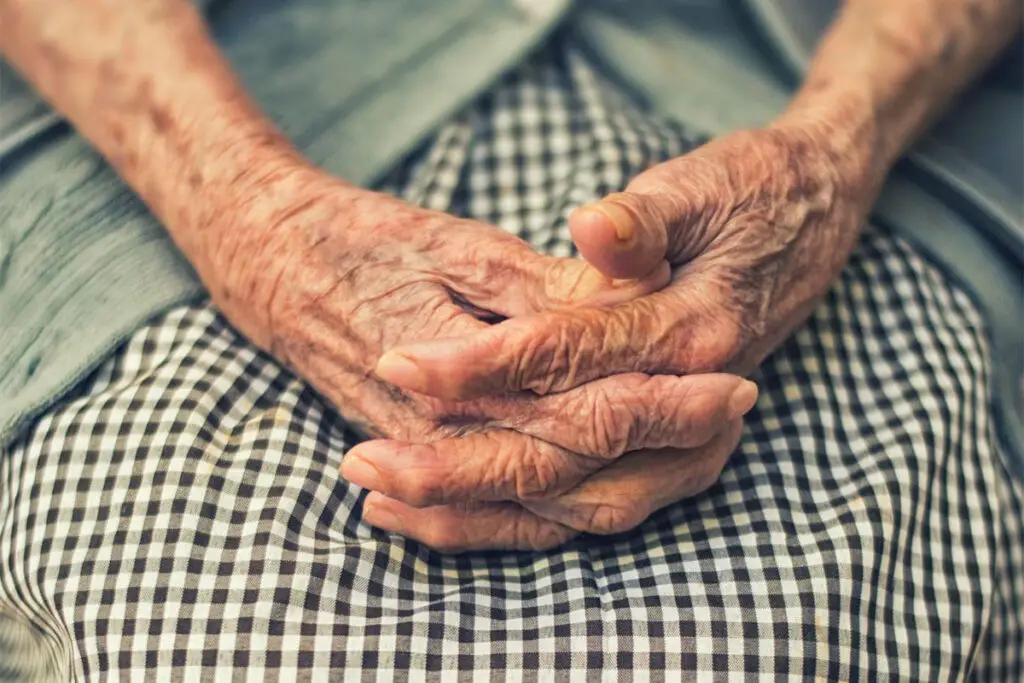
609	417
612	515
421	485
539	364
705	342
626	326
565	349
443	536
538	473
657	415
639	330
419	490
610	427
694	415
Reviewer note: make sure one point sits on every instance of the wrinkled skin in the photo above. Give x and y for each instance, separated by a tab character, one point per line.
614	499
755	225
328	277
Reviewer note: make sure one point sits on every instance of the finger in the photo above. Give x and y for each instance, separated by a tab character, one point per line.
489	466
614	415
454	529
651	412
661	333
614	500
621	496
623	235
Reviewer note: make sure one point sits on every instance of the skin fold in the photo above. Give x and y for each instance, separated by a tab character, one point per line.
601	397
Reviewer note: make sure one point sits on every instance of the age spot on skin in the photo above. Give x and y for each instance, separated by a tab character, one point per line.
160	118
117	132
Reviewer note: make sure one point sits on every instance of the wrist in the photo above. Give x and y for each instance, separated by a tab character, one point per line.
847	133
203	195
208	165
255	227
233	173
228	233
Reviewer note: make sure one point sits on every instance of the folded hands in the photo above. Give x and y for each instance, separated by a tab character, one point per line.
516	400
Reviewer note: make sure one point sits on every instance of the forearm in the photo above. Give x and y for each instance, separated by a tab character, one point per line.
142	80
888	68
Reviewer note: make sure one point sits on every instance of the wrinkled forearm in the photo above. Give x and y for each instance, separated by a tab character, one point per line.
144	83
888	68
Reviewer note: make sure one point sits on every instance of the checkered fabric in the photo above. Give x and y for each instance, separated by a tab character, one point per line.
180	517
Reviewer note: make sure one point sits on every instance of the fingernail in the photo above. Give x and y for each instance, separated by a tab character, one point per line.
398	369
742	399
620	219
361	473
385	519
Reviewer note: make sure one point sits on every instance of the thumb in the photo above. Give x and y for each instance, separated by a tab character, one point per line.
624	235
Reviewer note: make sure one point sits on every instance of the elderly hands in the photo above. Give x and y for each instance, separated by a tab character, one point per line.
564	417
327	278
755	226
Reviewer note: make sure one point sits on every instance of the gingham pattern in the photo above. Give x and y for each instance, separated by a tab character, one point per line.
181	517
